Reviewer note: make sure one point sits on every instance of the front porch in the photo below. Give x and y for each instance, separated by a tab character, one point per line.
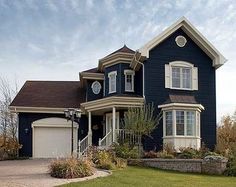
106	127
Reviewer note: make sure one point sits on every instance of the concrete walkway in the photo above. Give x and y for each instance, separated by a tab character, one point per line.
28	173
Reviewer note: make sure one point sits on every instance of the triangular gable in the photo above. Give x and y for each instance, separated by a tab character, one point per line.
194	34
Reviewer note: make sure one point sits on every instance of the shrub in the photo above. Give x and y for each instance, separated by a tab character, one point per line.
231	165
169	148
150	154
107	159
188	153
71	168
126	151
120	162
164	154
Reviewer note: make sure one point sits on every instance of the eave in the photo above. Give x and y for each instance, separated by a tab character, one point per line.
217	58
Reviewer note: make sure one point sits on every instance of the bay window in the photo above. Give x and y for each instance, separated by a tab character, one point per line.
181	123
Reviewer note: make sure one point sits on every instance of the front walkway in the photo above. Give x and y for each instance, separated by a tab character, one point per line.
28	173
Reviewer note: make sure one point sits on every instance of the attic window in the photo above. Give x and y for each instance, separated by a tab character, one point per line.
180	41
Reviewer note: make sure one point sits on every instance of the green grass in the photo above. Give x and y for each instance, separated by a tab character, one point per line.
142	177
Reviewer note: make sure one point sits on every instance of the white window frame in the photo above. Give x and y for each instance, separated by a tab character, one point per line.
132	73
181	65
197	125
113	73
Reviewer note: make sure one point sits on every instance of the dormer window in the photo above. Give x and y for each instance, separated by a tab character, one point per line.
112	81
129	80
181	75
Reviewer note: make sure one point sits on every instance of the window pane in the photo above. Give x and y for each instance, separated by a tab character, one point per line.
112	83
186	77
176	77
179	122
190	123
128	84
198	124
169	130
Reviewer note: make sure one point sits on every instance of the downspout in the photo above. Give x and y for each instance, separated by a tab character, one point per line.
143	72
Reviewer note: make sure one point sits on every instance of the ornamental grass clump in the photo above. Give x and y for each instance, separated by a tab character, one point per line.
71	168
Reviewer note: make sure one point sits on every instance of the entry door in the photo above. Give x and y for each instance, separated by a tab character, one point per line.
109	122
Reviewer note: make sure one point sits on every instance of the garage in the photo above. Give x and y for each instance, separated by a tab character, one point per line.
52	138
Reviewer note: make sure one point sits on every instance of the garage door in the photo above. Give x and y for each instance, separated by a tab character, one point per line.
52	138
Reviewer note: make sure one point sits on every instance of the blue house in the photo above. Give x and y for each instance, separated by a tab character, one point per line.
175	71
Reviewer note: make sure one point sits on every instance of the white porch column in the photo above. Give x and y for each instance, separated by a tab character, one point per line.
113	124
90	128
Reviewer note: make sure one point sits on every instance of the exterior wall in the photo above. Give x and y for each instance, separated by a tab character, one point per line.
25	121
89	92
155	90
120	80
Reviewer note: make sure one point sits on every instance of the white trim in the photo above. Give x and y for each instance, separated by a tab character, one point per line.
181	64
109	76
132	73
194	34
186	105
16	109
100	87
180	37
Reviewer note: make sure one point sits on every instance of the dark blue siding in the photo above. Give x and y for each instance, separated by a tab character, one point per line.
156	92
90	95
120	80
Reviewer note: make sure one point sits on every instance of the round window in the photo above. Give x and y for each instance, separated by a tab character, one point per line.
180	41
96	87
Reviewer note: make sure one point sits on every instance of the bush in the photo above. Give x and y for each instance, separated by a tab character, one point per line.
150	154
188	153
9	148
71	168
107	159
231	165
125	151
164	154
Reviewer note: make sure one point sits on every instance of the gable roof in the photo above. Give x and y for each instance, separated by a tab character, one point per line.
50	94
194	34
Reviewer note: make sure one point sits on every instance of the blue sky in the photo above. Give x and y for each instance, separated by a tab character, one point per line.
55	40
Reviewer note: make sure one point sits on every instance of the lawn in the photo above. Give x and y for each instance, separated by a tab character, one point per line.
138	177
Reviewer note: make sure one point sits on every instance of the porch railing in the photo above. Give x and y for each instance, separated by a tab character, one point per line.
83	146
127	136
106	140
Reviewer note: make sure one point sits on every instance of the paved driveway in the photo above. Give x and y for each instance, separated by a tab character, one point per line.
28	173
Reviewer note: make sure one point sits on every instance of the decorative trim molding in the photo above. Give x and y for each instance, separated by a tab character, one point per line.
181	106
194	34
110	102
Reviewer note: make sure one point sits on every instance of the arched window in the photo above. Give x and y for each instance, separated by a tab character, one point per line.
181	75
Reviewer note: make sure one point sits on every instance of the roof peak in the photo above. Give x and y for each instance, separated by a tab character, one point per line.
123	49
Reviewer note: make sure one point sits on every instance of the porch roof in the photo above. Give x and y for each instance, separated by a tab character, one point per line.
113	101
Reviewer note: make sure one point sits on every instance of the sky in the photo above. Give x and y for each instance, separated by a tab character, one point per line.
56	39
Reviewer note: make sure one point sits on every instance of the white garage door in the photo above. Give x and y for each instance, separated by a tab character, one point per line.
52	138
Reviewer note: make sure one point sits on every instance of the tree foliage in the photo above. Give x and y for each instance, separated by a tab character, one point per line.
8	121
141	120
226	134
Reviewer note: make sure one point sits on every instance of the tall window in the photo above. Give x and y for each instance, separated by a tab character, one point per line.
169	124
129	80
112	81
180	123
181	77
184	122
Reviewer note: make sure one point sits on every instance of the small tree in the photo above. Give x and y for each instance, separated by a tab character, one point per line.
141	121
226	134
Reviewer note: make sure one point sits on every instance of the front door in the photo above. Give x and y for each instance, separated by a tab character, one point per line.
108	127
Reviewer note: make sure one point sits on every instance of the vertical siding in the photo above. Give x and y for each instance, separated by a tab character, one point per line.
156	92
